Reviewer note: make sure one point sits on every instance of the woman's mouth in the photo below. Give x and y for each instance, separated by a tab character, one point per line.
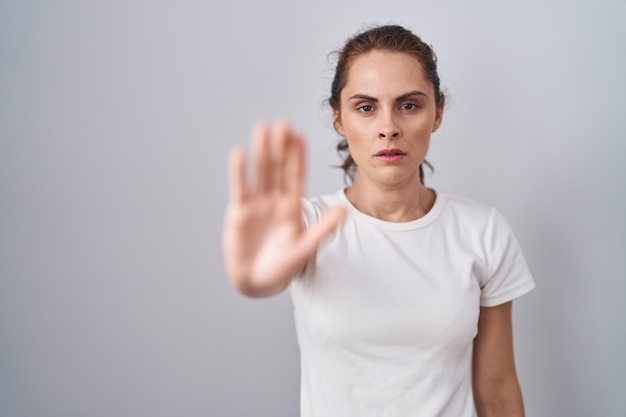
390	155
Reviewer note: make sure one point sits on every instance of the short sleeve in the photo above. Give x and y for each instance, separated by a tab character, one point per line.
508	275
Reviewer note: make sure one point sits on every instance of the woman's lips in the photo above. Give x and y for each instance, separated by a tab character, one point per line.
390	155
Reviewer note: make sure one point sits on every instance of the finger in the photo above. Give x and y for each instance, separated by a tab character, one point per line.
328	223
294	171
280	142
237	175
260	145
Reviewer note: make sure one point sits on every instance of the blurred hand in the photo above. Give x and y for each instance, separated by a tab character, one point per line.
265	241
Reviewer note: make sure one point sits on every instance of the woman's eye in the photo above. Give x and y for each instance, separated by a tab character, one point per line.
408	106
366	108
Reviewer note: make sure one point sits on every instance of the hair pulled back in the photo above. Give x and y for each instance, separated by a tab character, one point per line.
386	38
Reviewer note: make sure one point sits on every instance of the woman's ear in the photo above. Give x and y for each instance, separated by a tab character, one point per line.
337	122
439	114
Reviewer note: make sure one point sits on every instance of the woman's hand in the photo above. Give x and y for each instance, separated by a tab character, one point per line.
265	241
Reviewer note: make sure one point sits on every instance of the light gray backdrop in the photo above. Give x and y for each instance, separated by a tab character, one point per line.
115	122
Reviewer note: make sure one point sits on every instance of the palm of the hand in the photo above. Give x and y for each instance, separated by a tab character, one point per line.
265	241
269	233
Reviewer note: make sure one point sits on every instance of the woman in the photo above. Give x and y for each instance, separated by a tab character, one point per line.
402	294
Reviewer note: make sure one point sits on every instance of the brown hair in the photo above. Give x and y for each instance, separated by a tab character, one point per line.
386	38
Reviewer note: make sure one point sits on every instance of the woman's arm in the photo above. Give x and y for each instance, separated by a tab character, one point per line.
265	242
496	388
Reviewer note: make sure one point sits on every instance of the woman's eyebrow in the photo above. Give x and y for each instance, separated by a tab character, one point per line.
399	98
363	97
411	94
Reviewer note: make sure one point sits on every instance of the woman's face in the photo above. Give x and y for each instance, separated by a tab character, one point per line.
387	114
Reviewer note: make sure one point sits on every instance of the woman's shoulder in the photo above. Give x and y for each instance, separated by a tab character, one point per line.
468	214
312	207
324	200
463	206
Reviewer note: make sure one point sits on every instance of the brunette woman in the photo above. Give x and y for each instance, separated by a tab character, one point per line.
402	294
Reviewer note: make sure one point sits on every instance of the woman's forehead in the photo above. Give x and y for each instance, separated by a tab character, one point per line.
386	72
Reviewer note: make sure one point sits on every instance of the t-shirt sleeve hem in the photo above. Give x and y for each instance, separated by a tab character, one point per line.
508	296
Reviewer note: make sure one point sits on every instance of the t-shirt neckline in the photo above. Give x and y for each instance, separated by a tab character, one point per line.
423	221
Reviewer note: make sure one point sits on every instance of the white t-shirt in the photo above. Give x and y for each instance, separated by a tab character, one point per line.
386	313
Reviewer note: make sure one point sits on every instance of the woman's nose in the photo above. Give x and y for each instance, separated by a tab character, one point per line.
388	133
388	129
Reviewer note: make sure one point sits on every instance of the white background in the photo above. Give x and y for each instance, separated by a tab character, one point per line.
115	122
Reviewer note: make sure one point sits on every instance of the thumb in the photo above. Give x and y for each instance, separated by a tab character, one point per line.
328	223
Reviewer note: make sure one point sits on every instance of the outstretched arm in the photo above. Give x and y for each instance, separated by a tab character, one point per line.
265	242
495	385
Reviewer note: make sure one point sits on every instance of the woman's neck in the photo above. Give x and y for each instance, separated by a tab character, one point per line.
391	203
